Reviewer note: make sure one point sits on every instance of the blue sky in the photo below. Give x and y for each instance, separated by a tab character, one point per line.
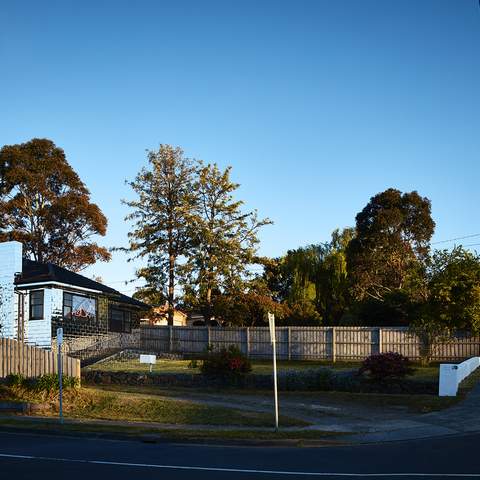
317	105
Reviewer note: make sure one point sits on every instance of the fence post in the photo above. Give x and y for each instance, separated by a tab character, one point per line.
289	342
334	345
380	340
247	338
170	338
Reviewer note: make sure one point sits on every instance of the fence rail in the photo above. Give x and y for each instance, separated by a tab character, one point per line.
303	343
17	357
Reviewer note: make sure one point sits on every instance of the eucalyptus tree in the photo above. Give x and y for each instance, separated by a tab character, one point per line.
45	205
392	236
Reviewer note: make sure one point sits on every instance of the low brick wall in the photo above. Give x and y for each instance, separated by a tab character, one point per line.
322	379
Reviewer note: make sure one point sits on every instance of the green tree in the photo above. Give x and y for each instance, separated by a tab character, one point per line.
454	285
248	306
153	292
163	214
331	279
392	236
312	280
224	239
45	206
452	300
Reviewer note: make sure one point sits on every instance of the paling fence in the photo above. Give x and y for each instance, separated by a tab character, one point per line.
19	358
303	343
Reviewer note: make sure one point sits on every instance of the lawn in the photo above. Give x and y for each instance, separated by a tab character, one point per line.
413	403
185	366
93	403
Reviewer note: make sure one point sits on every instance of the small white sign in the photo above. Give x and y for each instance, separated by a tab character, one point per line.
59	336
151	359
271	324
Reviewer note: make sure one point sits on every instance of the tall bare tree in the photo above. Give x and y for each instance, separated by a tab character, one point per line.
162	215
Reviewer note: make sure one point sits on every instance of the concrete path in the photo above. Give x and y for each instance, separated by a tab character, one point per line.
461	418
365	423
357	423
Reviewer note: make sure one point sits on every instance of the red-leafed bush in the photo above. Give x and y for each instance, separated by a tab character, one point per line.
386	366
227	362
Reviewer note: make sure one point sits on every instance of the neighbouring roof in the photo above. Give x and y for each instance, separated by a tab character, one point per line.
36	272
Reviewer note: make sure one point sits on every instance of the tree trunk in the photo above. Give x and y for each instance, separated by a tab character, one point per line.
426	351
171	288
208	309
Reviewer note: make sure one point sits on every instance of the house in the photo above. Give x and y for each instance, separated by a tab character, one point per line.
37	298
159	316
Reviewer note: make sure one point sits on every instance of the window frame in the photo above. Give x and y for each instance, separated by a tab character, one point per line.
72	318
31	316
124	322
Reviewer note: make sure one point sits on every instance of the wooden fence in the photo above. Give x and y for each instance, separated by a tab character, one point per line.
17	357
303	343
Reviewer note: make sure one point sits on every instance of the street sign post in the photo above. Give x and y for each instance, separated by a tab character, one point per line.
60	371
271	324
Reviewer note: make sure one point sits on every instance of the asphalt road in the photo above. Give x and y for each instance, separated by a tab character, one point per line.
26	456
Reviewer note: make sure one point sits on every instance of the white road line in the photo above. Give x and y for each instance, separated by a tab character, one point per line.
239	470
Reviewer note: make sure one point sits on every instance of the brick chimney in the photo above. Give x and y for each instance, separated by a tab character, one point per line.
10	265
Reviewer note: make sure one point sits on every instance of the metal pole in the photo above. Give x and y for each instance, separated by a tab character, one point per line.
275	389
271	324
60	382
60	370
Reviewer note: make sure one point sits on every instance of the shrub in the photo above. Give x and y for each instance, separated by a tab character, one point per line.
49	383
309	379
193	363
386	366
228	362
15	380
44	383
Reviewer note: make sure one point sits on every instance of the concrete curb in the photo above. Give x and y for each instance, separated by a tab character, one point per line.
416	433
153	438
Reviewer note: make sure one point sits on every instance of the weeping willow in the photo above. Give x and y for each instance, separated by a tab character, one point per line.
318	276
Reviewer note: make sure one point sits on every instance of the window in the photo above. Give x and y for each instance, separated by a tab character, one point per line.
36	305
120	320
79	307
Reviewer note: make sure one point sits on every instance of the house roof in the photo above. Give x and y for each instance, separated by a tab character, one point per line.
163	310
36	272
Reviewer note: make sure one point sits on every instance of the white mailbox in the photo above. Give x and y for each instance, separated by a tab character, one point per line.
150	359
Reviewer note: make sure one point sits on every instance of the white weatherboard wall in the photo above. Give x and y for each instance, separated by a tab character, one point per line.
451	375
39	332
10	265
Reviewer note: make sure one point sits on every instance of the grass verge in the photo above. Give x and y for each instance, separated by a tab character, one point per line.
94	403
